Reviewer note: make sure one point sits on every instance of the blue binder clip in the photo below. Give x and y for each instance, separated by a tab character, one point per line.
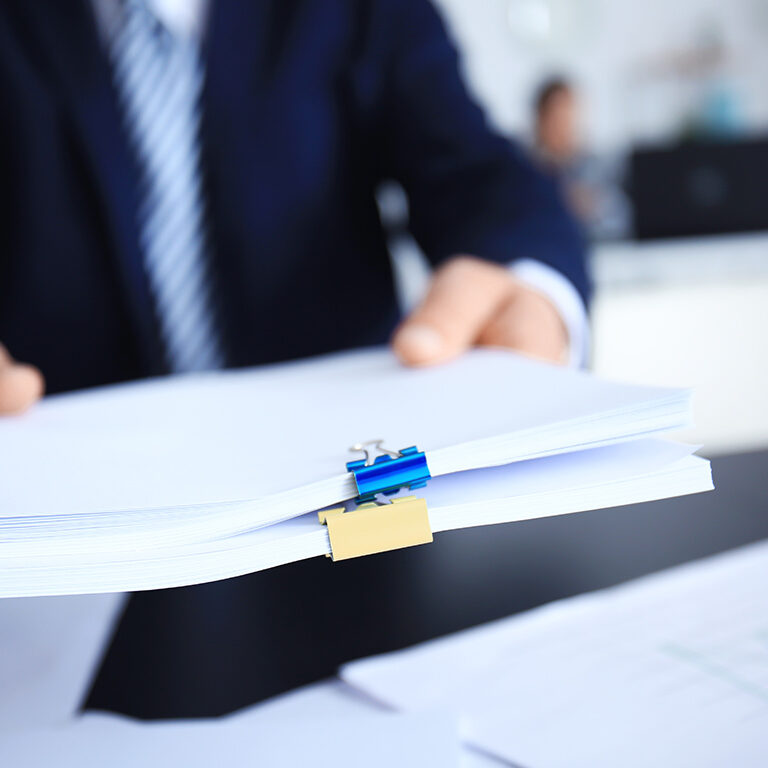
385	471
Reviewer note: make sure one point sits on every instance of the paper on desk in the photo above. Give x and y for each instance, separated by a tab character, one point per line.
50	648
336	699
669	670
243	435
257	738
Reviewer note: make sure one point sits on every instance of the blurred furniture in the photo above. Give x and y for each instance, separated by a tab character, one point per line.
224	646
699	188
690	312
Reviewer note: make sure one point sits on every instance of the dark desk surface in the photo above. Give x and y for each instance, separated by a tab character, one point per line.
207	650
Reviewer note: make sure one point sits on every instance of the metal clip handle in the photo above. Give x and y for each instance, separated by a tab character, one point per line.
389	471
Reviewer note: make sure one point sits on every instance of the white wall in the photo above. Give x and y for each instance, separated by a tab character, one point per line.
690	314
608	46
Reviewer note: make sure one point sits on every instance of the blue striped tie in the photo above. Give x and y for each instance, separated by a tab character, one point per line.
159	82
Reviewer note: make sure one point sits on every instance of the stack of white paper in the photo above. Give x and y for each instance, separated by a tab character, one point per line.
204	477
669	670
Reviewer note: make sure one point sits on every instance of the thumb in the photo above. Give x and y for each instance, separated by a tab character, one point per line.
464	295
20	385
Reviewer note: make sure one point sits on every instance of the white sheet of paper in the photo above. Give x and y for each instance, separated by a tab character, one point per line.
669	670
257	738
49	651
336	699
244	435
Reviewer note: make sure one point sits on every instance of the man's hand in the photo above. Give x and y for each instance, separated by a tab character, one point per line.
470	302
473	302
20	385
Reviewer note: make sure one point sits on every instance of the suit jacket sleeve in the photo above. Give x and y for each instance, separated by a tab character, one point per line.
470	190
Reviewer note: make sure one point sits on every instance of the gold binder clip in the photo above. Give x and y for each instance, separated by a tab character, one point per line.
372	527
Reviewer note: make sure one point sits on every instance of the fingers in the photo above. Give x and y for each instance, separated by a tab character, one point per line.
20	385
464	295
474	302
530	324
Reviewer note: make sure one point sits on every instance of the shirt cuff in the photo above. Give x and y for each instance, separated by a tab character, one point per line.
566	300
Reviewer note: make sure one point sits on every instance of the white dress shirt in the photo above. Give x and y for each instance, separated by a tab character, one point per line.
553	285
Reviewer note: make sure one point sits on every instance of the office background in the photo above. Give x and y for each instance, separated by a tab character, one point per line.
688	311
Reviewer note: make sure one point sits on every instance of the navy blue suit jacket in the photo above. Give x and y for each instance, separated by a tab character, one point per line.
308	106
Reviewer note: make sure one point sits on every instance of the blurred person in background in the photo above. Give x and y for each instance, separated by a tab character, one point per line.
190	185
590	184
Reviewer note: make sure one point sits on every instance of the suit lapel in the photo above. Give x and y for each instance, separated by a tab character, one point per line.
78	61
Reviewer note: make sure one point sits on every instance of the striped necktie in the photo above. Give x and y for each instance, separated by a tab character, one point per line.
159	81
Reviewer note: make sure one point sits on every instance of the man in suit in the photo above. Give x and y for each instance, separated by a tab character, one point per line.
305	107
189	185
